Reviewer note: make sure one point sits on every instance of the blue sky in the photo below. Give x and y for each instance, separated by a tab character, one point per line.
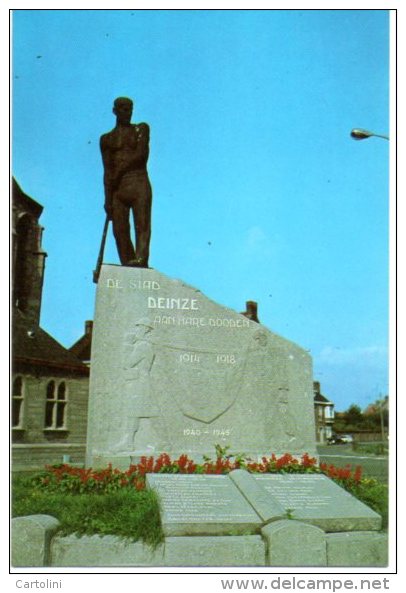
259	191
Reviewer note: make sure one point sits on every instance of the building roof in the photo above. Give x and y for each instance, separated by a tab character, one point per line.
82	348
32	345
20	197
318	396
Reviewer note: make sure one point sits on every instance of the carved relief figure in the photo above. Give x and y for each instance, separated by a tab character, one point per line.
139	405
260	338
258	358
125	152
285	418
284	432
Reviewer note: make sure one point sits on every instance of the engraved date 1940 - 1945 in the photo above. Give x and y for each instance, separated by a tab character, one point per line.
216	432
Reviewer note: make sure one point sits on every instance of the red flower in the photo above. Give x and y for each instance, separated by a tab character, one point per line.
285	460
182	461
191	467
358	473
158	465
308	461
139	484
166	460
131	470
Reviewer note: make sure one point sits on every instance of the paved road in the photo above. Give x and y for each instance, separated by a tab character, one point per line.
373	466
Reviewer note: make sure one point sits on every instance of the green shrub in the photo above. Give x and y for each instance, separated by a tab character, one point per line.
374	494
371	448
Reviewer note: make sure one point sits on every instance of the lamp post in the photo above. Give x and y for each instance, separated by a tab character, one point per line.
359	134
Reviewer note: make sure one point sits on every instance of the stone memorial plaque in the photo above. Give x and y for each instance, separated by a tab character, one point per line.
318	500
202	505
174	372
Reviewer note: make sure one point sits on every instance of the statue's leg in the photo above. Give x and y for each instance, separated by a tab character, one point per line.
121	231
142	220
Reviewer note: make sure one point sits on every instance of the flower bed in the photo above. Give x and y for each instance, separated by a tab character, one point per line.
111	501
68	479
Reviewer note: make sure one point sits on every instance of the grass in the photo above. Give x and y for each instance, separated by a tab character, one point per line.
371	448
127	513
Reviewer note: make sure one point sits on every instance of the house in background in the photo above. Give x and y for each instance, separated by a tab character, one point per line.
323	414
50	384
82	348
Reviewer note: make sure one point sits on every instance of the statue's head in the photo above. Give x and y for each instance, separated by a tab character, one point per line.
123	109
144	322
142	327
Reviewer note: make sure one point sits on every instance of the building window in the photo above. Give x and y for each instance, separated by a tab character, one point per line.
17	402
21	249
55	407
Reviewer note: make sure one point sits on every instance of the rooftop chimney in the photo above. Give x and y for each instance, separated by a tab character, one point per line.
251	311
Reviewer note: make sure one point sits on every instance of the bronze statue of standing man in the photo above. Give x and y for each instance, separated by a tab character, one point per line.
125	152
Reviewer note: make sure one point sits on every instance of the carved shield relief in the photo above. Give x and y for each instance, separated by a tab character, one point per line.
205	385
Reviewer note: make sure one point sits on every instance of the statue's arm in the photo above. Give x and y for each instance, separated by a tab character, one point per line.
108	178
141	153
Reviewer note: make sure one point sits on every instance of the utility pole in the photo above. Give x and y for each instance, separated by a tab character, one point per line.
380	405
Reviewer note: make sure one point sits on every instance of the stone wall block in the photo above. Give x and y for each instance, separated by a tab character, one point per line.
31	539
109	550
292	543
357	548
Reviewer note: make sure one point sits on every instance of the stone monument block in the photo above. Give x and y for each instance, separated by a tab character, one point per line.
292	543
265	505
241	550
315	499
110	550
174	372
30	539
357	548
202	505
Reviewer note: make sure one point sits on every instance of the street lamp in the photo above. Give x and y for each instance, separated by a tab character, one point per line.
359	134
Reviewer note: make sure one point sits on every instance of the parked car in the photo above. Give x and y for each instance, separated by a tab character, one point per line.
340	439
346	438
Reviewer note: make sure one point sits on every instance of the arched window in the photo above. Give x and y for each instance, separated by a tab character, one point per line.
17	402
55	406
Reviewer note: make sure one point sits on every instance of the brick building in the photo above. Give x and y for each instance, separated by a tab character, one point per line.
323	414
50	384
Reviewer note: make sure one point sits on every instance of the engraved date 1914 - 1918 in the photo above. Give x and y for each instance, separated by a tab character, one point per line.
216	432
220	358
